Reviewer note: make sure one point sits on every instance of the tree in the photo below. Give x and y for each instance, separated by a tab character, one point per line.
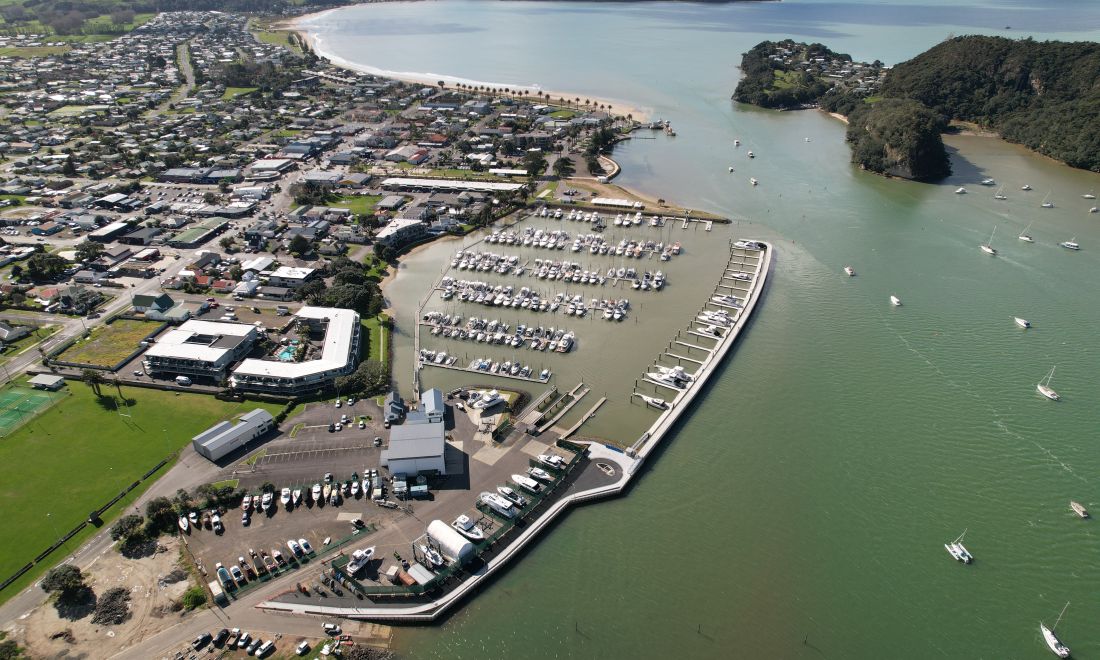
93	379
89	250
564	168
66	581
9	650
299	245
68	168
16	271
43	266
161	515
126	526
370	377
226	243
534	162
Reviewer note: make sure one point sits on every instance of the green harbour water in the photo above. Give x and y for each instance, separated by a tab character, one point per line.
800	509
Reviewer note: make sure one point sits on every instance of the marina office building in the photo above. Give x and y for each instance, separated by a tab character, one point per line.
339	357
204	349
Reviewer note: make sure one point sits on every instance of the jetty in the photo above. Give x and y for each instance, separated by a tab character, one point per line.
605	471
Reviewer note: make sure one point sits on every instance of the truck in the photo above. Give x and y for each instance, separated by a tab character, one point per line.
218	593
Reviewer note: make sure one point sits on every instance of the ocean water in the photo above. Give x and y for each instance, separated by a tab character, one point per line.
800	509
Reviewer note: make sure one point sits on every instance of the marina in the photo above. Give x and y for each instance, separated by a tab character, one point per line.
614	467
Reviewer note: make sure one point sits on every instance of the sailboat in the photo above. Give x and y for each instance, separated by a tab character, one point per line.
987	247
958	551
1000	193
1071	244
1047	204
1024	236
1045	389
1056	646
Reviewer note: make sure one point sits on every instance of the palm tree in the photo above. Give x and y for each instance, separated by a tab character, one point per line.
93	379
564	168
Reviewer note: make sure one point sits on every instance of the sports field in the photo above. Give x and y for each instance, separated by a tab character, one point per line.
78	454
19	404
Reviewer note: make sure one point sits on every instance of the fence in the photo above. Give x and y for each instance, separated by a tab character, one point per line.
94	515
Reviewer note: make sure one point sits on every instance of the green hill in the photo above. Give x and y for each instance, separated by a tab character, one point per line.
1043	95
898	137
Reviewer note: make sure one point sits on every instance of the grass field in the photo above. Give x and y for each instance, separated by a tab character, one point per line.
79	454
69	111
234	92
359	204
110	343
275	38
27	52
377	338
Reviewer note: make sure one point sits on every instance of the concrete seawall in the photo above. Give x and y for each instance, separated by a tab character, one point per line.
427	612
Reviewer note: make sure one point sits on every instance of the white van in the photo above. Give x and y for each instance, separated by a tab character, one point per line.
183	380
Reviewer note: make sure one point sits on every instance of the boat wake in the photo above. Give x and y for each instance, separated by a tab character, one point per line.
995	415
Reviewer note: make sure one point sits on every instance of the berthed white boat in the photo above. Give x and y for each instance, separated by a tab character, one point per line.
467	527
359	560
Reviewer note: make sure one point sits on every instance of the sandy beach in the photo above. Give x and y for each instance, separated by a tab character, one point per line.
301	26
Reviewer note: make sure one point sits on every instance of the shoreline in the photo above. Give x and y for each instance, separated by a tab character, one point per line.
317	45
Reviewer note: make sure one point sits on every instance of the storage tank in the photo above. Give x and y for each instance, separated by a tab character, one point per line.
453	545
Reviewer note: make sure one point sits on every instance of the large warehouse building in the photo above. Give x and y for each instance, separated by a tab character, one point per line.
224	438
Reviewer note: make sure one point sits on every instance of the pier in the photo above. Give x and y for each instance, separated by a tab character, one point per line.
575	396
454	367
582	489
587	416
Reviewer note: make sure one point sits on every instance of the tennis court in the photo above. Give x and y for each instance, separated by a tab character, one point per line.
21	404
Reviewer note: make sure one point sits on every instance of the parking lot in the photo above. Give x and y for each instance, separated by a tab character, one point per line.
299	462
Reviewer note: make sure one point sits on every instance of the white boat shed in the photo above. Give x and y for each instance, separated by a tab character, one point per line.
224	437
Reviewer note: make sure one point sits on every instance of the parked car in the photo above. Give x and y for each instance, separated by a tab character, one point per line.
220	638
244	640
302	648
265	648
201	641
251	649
331	629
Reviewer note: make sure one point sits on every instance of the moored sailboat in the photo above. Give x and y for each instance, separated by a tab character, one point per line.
1045	389
1053	643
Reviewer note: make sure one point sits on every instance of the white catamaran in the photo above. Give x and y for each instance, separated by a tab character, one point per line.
958	551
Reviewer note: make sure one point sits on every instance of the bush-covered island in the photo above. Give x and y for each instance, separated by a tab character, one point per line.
1042	95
